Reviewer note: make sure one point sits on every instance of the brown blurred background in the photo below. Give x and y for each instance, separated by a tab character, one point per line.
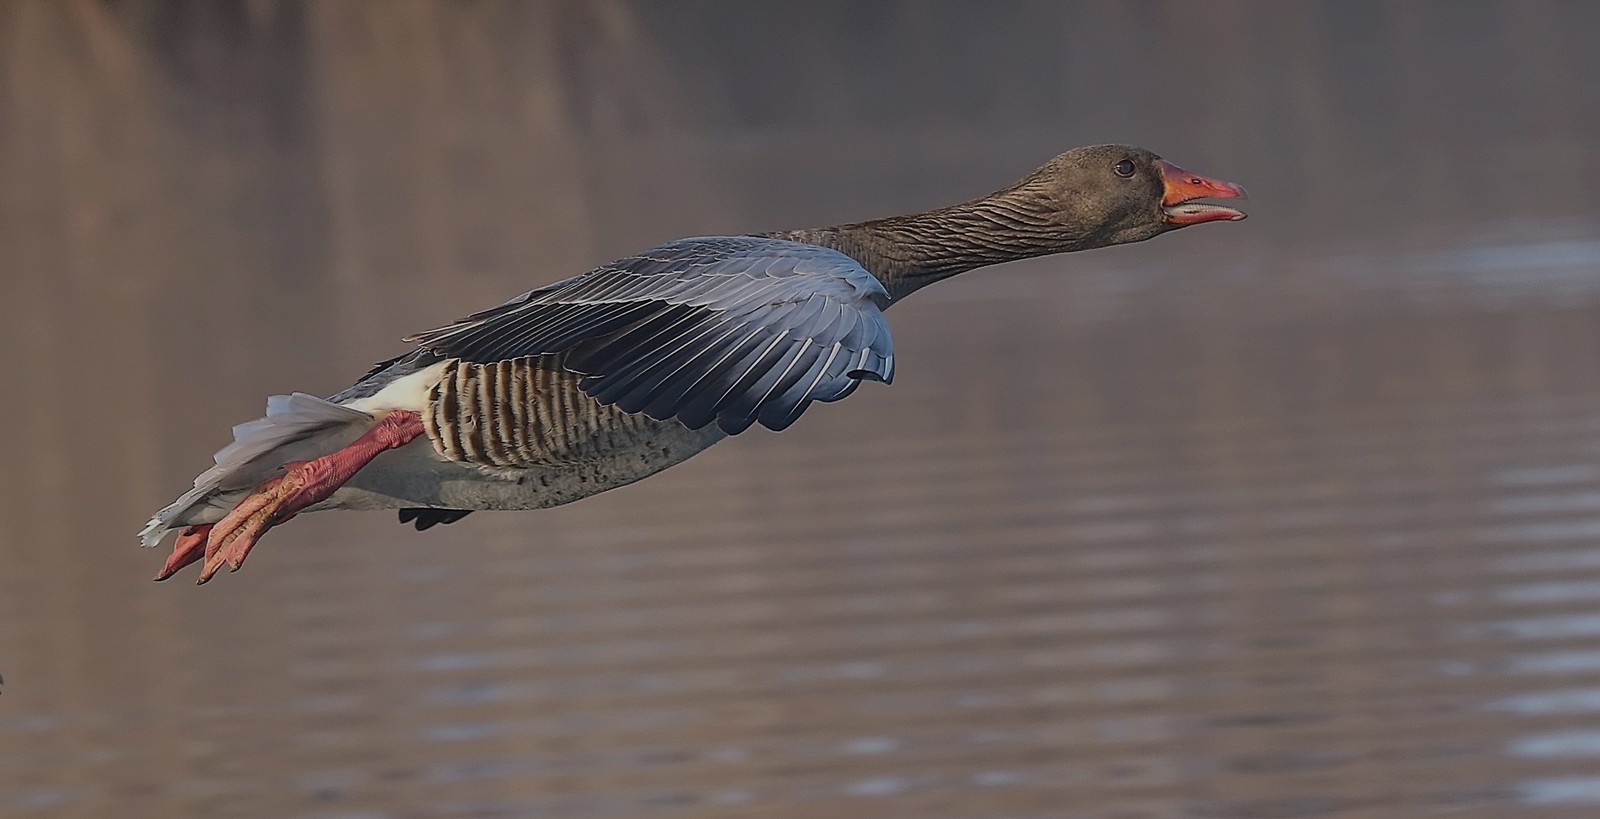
1294	517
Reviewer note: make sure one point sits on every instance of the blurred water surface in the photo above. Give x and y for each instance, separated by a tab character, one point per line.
1295	517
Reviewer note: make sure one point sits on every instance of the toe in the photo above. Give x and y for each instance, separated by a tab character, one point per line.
189	547
236	534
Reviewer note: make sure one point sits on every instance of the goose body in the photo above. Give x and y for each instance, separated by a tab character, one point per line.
599	380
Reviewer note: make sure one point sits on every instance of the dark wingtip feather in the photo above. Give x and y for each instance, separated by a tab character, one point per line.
735	424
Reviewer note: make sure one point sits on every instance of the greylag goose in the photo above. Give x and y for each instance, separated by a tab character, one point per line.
602	379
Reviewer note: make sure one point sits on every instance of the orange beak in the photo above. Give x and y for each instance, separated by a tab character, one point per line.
1182	187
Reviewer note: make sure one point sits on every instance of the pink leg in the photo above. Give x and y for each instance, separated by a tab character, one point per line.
190	546
302	484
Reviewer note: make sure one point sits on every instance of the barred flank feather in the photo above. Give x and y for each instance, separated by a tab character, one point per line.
524	412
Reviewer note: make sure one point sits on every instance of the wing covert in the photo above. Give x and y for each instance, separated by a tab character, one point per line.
731	329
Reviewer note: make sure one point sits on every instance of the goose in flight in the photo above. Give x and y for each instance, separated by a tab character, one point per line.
602	379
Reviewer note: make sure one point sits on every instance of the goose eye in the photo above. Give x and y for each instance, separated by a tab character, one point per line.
1124	168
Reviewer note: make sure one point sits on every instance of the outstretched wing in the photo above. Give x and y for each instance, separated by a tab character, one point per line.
732	329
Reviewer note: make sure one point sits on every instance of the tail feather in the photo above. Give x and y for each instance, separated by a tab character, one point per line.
290	419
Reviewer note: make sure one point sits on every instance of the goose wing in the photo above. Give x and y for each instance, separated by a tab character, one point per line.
731	329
